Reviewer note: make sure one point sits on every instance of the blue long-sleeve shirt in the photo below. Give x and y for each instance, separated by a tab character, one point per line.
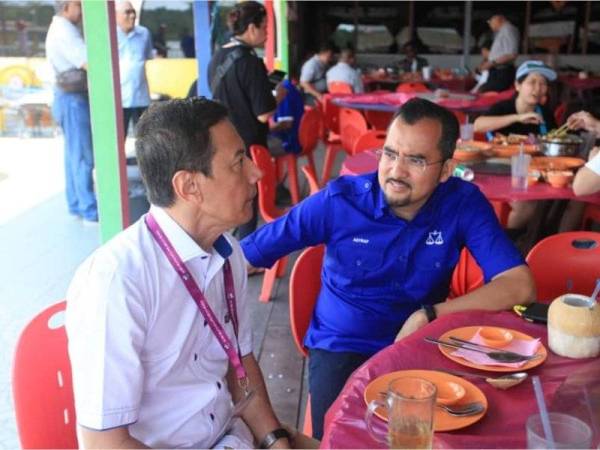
378	268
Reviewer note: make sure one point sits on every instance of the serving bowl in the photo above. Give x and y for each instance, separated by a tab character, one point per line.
559	178
449	392
495	337
560	146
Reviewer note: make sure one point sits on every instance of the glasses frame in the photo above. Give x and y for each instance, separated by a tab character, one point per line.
398	157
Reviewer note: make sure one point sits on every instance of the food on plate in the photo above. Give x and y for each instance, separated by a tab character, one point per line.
501	139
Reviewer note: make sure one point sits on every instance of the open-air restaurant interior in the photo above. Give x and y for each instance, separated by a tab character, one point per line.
300	224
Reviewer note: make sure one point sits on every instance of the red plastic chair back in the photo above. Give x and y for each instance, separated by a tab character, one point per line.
308	132
305	285
267	184
42	384
559	113
311	177
467	275
331	114
352	125
339	87
591	215
379	120
372	139
409	88
565	262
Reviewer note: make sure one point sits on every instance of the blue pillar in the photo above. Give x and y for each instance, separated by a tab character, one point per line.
202	39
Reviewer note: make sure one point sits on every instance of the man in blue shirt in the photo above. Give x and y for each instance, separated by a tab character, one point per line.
393	238
135	47
287	119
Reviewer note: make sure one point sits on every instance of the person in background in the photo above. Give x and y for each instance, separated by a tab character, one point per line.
313	74
151	367
159	41
526	112
65	50
482	74
345	72
23	38
587	179
504	52
286	120
412	62
392	241
187	44
135	48
238	79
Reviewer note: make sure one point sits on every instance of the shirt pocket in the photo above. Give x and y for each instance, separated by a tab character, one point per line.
358	261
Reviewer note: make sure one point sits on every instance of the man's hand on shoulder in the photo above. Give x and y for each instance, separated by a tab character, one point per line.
416	320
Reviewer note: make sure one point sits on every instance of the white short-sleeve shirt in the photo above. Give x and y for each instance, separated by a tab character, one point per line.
65	48
141	352
345	73
506	42
594	164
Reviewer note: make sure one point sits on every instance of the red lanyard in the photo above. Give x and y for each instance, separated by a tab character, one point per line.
232	353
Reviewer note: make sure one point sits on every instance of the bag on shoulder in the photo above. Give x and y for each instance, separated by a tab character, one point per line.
72	80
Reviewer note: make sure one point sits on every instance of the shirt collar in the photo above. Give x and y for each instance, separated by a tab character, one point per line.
183	244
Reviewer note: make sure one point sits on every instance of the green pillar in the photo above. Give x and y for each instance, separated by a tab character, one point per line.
106	116
283	37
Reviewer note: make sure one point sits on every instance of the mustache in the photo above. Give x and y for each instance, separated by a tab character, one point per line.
397	180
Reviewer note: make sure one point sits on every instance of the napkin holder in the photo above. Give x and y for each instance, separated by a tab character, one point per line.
574	326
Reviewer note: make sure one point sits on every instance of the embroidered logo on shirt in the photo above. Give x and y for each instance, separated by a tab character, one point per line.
358	240
434	238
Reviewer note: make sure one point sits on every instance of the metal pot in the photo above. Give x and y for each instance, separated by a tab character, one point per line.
563	146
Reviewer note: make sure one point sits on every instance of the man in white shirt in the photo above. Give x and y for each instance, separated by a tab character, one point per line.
66	51
312	74
587	179
135	48
151	367
345	72
504	52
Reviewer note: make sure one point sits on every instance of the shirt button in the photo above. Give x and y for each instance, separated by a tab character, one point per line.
367	185
218	384
195	356
205	322
358	262
438	264
212	417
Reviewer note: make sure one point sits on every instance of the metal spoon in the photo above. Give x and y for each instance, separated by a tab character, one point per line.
469	409
502	382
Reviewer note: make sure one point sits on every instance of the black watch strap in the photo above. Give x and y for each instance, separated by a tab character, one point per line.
430	312
273	436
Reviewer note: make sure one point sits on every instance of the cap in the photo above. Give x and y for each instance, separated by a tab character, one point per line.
536	66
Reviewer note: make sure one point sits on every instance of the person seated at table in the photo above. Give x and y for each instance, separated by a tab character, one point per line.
283	130
523	114
481	73
146	371
587	179
313	74
393	238
412	62
345	72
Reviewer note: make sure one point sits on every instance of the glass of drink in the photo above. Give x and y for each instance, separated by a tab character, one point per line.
519	169
410	404
567	432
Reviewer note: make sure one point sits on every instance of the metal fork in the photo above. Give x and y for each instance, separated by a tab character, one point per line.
469	409
486	347
495	355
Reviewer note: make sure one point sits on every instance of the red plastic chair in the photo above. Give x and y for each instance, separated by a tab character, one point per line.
409	88
565	262
269	211
591	215
308	135
311	177
372	139
42	385
339	87
467	275
305	285
352	125
333	144
460	116
379	120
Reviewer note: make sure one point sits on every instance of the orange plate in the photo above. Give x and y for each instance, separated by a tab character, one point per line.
467	333
442	421
506	151
556	162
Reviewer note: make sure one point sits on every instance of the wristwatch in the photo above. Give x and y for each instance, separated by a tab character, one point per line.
273	436
430	313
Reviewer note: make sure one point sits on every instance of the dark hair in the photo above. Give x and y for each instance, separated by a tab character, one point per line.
245	13
326	47
175	135
417	108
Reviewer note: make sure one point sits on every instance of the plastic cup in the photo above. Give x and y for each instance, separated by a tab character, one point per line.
568	432
466	132
519	169
426	73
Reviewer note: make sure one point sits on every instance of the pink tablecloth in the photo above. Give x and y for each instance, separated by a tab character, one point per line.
503	426
580	84
494	187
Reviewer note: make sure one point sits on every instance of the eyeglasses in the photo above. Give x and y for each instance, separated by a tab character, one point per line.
414	163
129	12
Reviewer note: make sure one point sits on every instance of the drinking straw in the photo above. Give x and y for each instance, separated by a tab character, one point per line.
595	293
539	397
